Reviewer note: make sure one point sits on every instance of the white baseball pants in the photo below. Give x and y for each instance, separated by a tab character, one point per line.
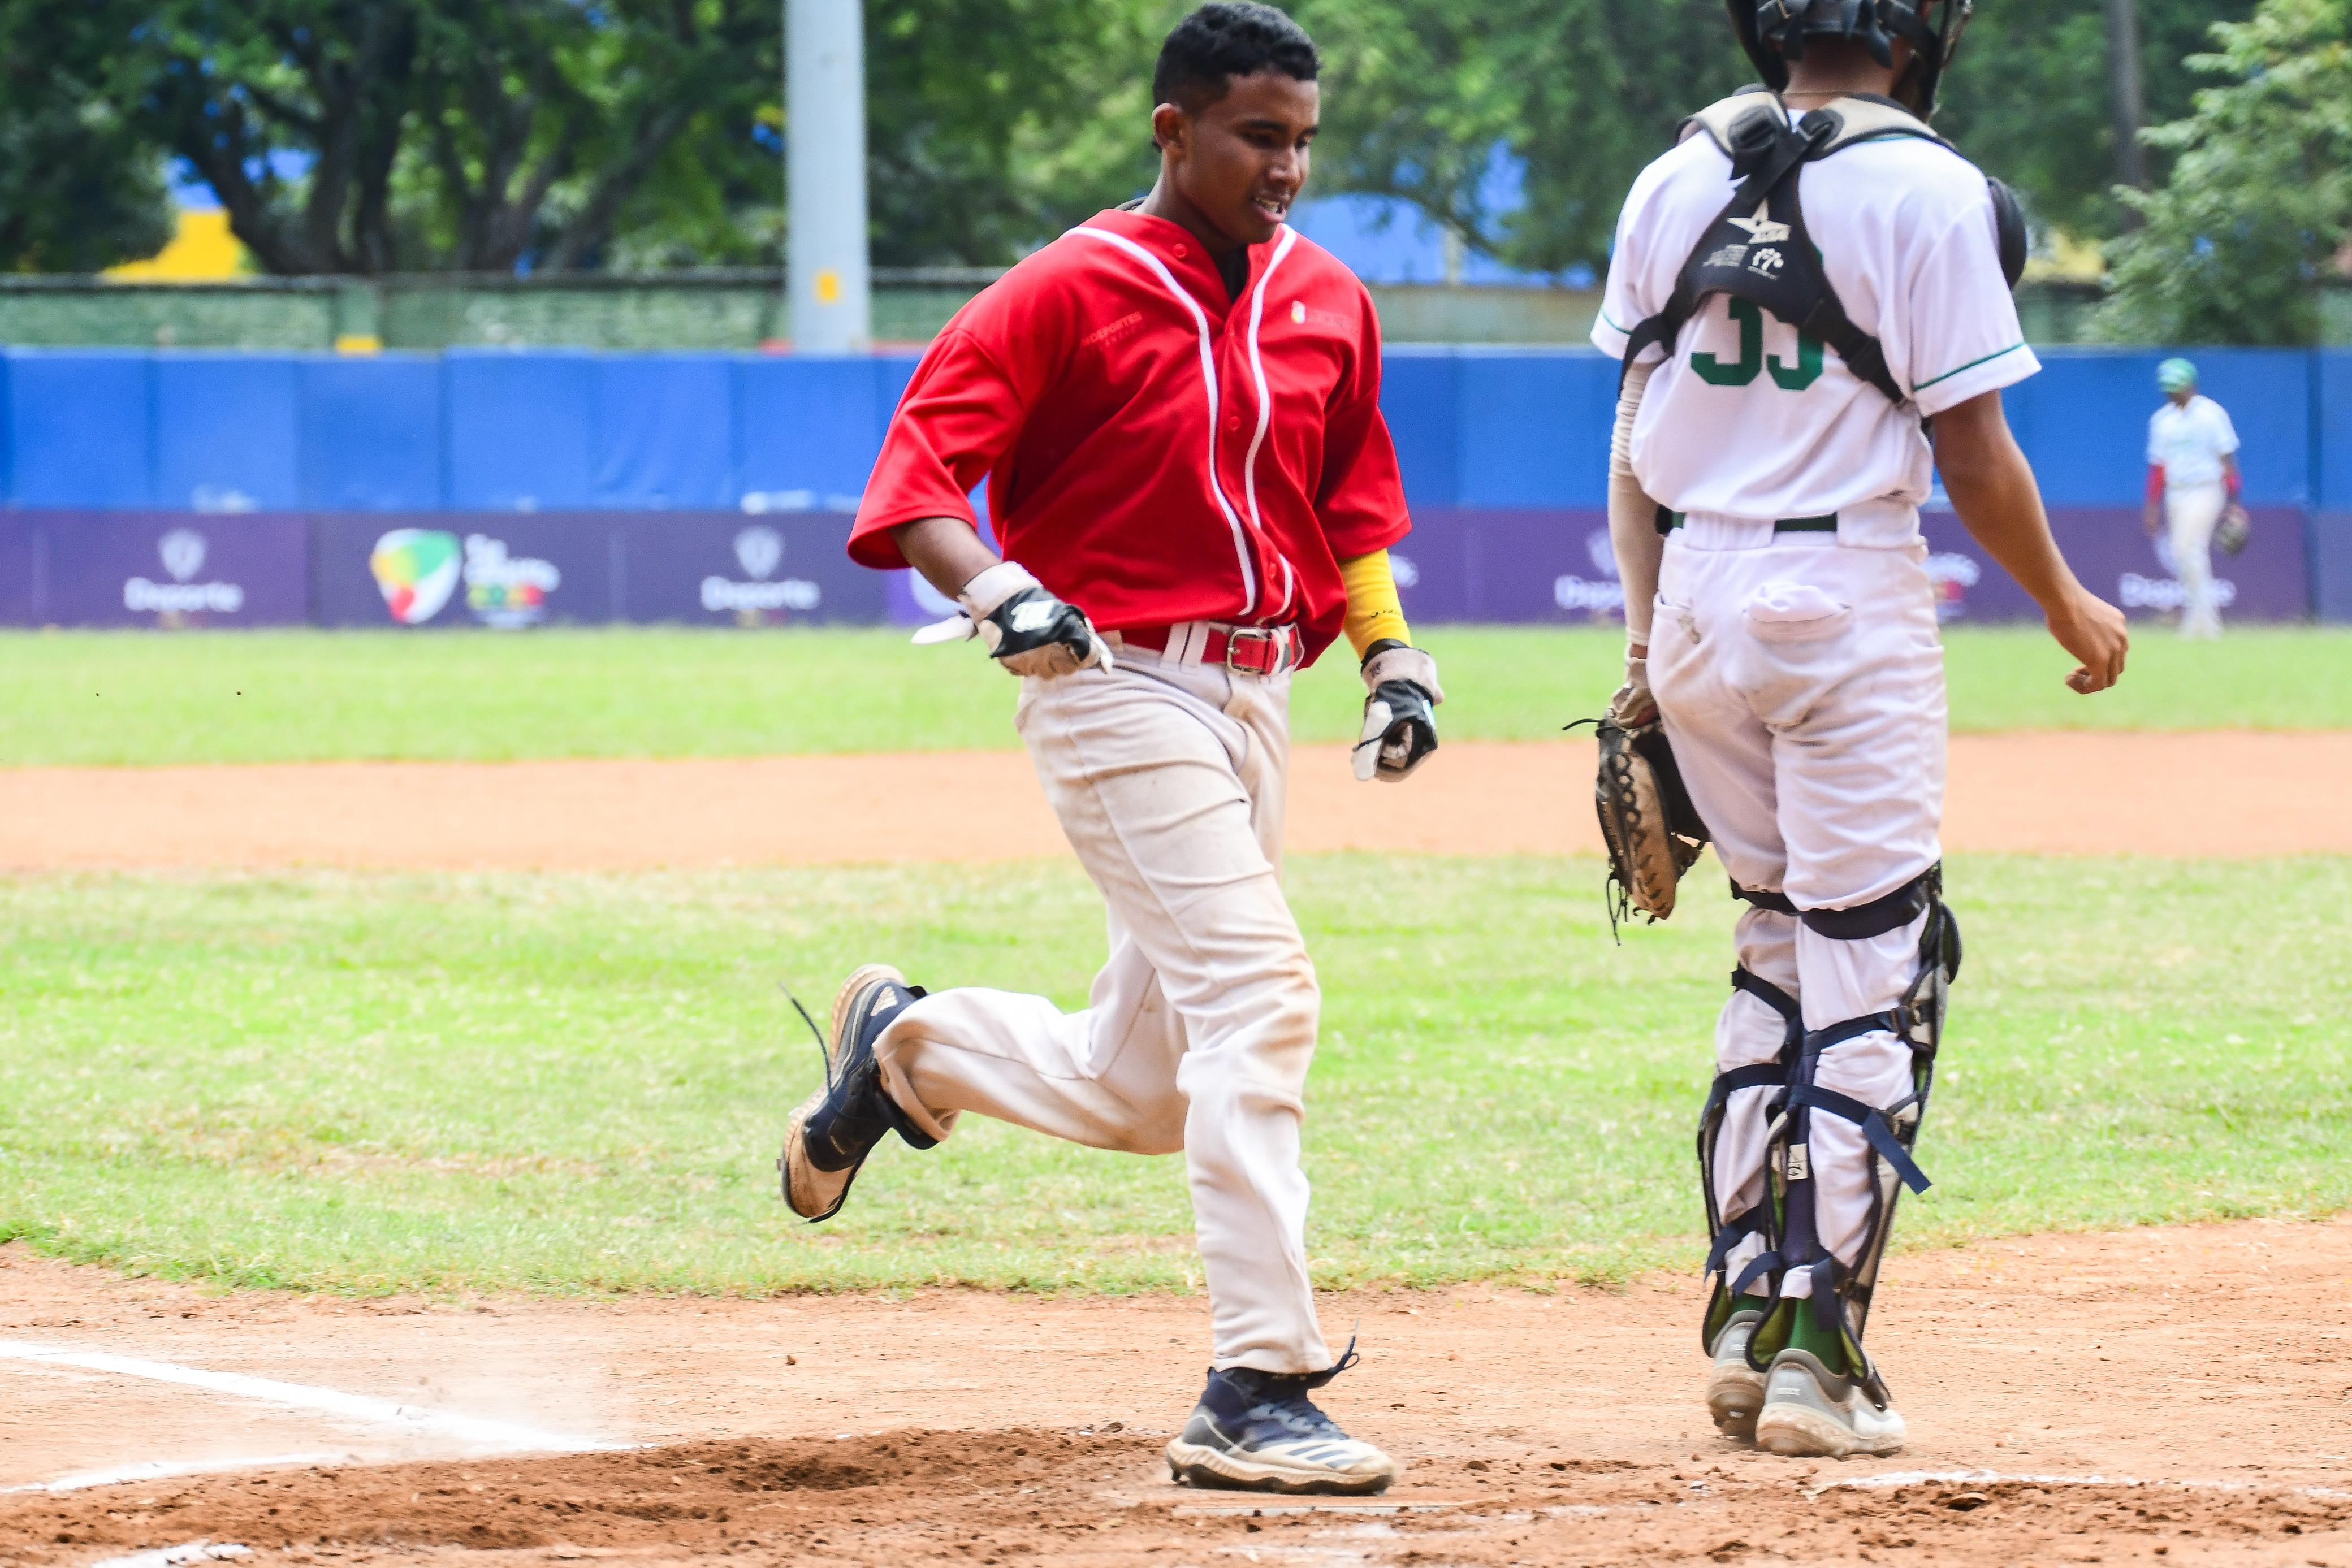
2191	512
1801	683
1169	780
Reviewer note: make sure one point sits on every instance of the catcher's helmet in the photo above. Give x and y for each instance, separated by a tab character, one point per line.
1773	32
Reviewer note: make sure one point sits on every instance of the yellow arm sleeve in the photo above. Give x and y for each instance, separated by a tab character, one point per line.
1374	610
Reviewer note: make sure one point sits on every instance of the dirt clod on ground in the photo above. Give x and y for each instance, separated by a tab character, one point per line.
1019	1495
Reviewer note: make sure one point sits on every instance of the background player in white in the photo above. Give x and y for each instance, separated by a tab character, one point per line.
2192	480
1765	484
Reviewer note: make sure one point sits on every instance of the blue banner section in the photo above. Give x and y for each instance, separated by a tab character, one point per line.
371	433
1498	435
227	432
663	431
79	428
521	429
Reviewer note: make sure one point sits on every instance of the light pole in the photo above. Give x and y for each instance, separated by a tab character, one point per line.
825	136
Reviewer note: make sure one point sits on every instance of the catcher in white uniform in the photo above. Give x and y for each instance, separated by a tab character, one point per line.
1794	373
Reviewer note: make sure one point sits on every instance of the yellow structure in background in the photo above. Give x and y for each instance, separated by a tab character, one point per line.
202	250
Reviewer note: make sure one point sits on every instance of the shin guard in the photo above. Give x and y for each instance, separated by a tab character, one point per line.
1841	1290
1726	1233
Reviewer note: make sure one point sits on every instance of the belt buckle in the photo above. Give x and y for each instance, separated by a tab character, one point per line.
1266	658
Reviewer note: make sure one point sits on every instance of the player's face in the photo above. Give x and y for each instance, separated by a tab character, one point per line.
1241	160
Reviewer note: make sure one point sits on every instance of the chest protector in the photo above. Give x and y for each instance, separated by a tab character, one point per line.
1759	248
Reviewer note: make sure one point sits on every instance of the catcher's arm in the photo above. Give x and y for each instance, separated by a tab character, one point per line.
1633	535
1992	488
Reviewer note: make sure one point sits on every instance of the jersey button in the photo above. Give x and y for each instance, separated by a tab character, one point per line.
1182	251
1232	423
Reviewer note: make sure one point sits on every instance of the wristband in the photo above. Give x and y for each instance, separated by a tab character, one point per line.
2235	480
982	595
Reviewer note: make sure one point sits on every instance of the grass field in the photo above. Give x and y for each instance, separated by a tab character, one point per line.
576	1083
140	698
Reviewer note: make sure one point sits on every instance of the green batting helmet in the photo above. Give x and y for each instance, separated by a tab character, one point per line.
2174	375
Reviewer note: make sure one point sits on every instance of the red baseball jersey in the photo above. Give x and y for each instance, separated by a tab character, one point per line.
1157	450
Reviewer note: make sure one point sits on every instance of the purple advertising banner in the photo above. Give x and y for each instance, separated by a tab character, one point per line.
505	571
512	570
1512	565
2110	550
154	569
731	568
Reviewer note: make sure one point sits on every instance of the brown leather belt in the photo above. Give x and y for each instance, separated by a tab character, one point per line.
1254	650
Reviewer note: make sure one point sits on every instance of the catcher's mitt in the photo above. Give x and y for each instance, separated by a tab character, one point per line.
1652	832
2235	527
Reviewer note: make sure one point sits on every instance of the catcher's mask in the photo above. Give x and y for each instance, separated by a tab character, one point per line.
1773	32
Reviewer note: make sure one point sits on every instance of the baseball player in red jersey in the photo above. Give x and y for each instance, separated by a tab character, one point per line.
1176	407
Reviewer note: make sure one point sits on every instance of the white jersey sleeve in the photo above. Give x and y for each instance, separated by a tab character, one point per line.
1966	340
2225	433
1626	300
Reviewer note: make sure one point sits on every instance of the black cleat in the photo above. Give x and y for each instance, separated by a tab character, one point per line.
835	1128
1257	1431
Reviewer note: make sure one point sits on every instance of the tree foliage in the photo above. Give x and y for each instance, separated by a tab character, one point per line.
2259	204
367	135
80	189
2029	96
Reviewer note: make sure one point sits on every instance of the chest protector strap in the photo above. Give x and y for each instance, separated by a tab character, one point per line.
1759	248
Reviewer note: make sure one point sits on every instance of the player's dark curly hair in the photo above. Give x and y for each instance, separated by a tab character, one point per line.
1225	40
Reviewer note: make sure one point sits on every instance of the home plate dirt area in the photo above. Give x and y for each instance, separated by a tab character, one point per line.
2180	1396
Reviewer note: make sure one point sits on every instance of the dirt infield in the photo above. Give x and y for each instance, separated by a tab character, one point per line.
2192	794
2179	1395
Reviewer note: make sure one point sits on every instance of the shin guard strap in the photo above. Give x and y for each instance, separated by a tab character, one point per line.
1874	1124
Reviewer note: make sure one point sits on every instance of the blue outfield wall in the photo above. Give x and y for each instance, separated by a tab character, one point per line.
1503	453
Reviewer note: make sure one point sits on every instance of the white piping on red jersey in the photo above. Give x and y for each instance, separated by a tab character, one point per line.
1265	417
1242	536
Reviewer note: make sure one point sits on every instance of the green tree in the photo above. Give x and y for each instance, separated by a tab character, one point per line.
364	135
79	188
2029	98
2259	203
1420	94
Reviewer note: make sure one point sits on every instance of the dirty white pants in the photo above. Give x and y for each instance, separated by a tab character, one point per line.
1168	780
2191	512
1802	683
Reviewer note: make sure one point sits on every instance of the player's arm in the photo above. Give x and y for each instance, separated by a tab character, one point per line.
1992	488
1400	680
1640	549
1360	504
963	409
2153	513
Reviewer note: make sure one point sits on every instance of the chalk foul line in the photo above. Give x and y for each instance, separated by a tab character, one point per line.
167	1469
476	1432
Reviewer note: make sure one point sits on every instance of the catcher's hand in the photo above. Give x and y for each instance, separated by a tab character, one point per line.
1400	711
1646	819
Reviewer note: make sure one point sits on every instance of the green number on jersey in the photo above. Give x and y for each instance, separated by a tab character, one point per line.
1753	362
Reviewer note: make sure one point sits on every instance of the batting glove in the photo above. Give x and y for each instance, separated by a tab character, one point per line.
1400	712
1027	629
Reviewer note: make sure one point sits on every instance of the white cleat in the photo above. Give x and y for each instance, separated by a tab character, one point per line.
1810	1413
1734	1390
